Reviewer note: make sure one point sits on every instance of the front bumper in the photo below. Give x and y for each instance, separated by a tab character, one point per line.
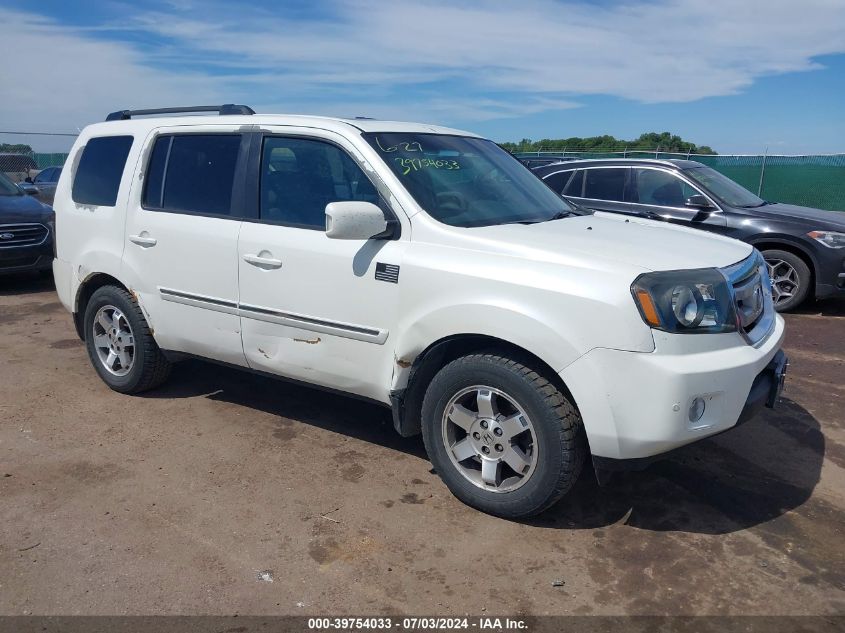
636	405
765	392
26	258
830	272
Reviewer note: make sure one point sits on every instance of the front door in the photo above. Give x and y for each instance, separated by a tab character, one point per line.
663	193
312	308
180	253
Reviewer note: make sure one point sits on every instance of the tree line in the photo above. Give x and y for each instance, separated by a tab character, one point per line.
15	148
665	141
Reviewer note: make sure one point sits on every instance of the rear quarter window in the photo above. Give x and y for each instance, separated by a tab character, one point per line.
558	181
100	169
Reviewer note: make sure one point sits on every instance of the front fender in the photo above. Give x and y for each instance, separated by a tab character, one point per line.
497	321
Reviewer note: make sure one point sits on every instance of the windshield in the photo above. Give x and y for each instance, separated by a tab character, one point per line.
465	181
724	188
7	187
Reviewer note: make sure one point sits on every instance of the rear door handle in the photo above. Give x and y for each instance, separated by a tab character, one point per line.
143	240
263	262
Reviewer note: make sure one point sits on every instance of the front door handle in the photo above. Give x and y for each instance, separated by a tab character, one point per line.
263	262
143	240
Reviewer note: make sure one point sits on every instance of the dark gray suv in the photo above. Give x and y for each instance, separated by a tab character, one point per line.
804	248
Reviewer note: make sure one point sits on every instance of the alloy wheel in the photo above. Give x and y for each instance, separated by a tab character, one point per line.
113	340
785	281
489	438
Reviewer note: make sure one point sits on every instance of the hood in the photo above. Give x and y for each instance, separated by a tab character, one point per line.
645	244
819	218
22	209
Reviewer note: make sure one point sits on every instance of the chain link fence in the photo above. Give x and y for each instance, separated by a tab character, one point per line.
811	181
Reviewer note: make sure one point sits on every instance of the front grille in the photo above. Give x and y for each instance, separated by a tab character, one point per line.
751	290
17	235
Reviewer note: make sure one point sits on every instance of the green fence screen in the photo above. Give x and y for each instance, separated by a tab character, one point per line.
49	160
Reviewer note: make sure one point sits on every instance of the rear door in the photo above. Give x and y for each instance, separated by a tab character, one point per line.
600	188
313	308
181	238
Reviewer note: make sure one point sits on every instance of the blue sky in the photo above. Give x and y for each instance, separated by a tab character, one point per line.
739	76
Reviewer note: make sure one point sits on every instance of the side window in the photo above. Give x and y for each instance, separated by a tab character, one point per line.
661	188
575	187
100	169
192	173
606	183
558	181
299	177
45	175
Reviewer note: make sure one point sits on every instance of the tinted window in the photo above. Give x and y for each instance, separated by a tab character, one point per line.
100	169
653	186
153	190
299	177
200	173
575	187
605	184
46	175
558	181
724	188
7	187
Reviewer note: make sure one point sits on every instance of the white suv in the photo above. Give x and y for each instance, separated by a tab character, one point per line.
420	267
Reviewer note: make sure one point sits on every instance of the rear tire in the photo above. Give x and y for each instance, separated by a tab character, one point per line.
525	426
119	342
790	279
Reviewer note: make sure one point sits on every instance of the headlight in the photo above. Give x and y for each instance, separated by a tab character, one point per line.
685	301
831	239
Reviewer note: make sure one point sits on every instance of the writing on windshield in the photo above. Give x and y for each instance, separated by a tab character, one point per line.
466	181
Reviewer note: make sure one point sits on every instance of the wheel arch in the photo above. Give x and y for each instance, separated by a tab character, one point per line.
406	402
86	289
790	246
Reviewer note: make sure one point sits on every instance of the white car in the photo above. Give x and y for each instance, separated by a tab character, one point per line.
420	267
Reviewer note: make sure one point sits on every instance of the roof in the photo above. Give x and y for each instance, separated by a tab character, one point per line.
341	125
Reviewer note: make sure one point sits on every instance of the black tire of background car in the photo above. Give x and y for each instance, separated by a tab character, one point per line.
556	421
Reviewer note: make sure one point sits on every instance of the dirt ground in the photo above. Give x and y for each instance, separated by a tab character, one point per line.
224	492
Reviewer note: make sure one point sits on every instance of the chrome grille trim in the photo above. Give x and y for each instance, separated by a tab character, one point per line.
751	290
25	234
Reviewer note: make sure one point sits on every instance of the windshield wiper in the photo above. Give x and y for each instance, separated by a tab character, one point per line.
557	216
645	213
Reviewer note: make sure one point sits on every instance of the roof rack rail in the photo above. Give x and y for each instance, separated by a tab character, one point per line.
226	108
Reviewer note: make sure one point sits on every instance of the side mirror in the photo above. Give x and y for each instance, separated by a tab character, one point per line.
28	179
354	220
699	201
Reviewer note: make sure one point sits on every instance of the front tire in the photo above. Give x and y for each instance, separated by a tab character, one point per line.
790	279
119	342
503	438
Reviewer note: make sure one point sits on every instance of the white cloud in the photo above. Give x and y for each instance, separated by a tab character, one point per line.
64	79
429	59
656	51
